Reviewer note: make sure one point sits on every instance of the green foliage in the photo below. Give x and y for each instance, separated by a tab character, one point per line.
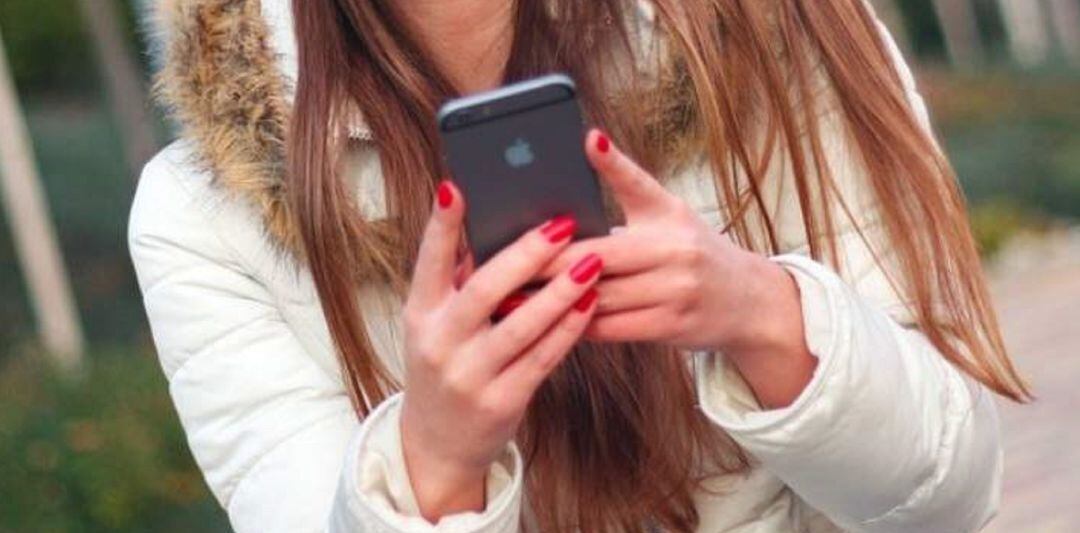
47	44
1013	138
996	221
102	453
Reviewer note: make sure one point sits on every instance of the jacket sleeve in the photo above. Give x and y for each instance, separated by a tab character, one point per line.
887	436
271	427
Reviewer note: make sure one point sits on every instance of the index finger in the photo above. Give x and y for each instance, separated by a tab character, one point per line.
511	268
624	253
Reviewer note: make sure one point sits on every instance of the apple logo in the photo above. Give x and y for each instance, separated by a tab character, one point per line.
519	154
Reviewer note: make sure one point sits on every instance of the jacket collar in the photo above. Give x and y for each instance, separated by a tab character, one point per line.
227	73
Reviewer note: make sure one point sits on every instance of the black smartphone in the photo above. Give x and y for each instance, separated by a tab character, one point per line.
517	153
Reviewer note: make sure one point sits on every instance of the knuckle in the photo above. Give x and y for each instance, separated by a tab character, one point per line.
570	331
495	409
681	322
426	351
687	286
459	386
412	319
681	210
545	363
478	291
639	181
535	249
572	325
527	250
514	333
686	305
564	292
690	254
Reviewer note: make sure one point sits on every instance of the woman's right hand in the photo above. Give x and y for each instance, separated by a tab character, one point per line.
468	381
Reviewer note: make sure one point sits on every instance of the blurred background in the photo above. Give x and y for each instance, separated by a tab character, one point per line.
88	438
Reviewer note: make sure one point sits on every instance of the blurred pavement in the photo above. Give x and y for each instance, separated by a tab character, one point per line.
1038	295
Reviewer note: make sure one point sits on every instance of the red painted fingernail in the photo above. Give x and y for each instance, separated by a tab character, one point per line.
511	303
445	194
586	269
586	301
559	229
602	143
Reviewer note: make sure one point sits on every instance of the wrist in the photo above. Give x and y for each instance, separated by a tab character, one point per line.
766	341
441	485
765	311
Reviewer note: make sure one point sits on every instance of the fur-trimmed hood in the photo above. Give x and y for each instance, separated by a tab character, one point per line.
227	73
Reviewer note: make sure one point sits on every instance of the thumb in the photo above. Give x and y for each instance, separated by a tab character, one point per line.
636	191
465	268
436	261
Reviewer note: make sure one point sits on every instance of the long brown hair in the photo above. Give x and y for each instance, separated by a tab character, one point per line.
613	440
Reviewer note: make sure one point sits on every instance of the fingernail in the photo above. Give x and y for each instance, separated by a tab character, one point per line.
603	144
586	301
511	303
445	194
586	269
559	229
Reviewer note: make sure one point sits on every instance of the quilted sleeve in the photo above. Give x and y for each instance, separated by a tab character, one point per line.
272	430
888	435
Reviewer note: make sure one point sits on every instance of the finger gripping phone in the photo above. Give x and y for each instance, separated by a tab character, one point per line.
517	154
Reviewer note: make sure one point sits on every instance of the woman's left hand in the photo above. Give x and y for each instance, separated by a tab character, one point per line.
671	278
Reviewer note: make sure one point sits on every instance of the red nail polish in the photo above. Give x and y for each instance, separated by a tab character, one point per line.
586	301
511	303
586	269
602	143
559	229
445	194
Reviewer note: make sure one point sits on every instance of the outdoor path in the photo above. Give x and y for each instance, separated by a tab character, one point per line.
1040	313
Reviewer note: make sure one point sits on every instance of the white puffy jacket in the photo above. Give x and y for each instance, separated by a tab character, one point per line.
886	437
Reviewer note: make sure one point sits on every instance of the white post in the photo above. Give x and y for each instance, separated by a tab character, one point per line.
1065	15
123	84
34	235
1025	23
961	30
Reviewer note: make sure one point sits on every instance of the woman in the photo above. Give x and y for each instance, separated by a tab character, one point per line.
789	333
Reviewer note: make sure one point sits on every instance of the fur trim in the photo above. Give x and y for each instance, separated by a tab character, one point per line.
221	82
228	84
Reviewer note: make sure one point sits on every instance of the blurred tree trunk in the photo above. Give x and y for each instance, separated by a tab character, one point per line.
1065	15
123	83
961	30
1025	22
889	13
34	235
